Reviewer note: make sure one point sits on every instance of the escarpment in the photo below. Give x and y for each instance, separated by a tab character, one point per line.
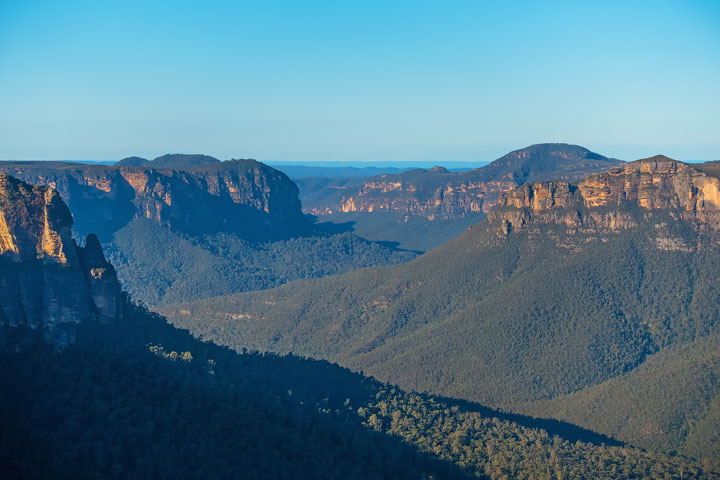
454	197
657	191
439	193
48	284
244	197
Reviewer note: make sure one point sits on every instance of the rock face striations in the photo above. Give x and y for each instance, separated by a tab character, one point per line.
439	193
561	287
47	283
238	196
619	199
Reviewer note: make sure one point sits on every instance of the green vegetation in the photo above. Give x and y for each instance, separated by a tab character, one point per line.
157	265
111	407
502	322
712	168
556	161
143	400
243	197
412	230
409	232
669	403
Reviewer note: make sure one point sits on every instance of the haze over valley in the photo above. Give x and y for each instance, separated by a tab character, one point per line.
381	240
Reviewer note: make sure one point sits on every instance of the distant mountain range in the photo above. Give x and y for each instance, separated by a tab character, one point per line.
301	172
202	227
439	193
239	196
119	393
171	160
421	209
566	294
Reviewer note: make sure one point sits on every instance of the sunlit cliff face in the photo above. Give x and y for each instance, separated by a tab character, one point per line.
446	201
237	197
616	200
47	283
34	223
439	193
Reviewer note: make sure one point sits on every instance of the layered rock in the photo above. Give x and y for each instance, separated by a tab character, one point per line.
438	193
619	199
240	196
455	197
47	283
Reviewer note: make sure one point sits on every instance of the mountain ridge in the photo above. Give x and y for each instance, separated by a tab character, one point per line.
262	201
105	391
602	274
439	193
655	183
228	223
169	160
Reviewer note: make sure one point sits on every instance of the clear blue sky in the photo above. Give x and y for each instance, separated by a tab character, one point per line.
362	80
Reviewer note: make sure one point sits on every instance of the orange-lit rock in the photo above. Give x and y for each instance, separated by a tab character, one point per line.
240	196
616	200
47	283
439	193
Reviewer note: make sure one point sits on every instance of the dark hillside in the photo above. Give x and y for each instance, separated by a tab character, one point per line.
182	267
206	229
141	399
563	287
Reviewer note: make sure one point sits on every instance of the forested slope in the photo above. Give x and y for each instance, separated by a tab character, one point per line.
421	209
158	265
407	232
562	288
141	399
444	323
183	227
120	405
129	396
669	403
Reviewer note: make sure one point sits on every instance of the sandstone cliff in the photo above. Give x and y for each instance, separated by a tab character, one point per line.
439	193
657	190
240	196
47	283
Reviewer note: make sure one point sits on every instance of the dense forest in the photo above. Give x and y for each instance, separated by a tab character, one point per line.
158	265
408	232
378	258
421	209
443	323
669	403
407	191
141	399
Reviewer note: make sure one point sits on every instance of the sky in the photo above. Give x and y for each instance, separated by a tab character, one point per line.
301	81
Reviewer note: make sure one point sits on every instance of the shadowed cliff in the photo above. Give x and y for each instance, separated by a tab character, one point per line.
48	283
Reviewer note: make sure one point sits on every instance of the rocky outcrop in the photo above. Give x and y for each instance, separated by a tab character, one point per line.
439	193
456	195
657	188
244	197
47	283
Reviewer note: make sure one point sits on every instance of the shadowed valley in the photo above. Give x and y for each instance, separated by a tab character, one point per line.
564	287
129	396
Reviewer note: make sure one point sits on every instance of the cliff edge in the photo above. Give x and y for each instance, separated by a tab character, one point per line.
48	284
